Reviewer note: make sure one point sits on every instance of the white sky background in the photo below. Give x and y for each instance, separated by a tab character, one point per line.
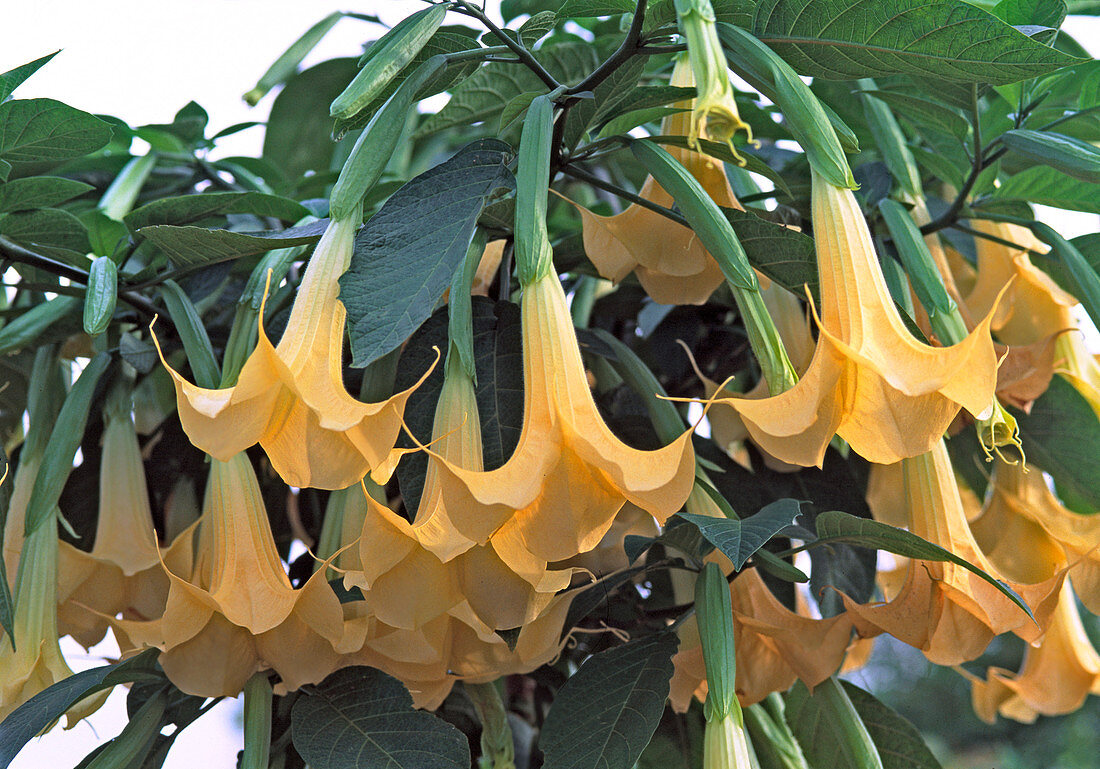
141	60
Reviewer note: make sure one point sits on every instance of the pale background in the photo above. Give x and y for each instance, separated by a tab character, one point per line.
143	60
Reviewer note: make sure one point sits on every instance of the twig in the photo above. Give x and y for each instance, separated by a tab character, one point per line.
517	48
595	181
627	49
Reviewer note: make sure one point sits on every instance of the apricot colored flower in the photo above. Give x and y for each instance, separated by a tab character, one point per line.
559	492
122	573
870	381
775	646
236	613
1027	496
668	258
1056	677
36	661
291	398
943	609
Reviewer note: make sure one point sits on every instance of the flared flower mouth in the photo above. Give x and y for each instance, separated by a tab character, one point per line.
290	398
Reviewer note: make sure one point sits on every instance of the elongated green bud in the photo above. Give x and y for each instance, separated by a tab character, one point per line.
718	237
848	726
890	141
375	145
287	64
918	261
803	113
101	296
135	740
120	197
714	613
1072	157
534	256
257	722
774	744
200	353
387	57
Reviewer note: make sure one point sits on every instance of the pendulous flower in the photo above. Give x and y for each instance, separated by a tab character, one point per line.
290	398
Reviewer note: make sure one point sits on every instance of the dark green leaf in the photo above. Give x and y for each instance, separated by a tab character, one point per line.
642	97
1042	13
739	539
104	233
784	255
185	209
607	711
31	324
39	192
950	39
1072	157
1061	434
593	596
579	9
537	27
1049	187
925	113
361	718
662	13
138	353
510	9
34	130
297	138
406	255
900	745
49	231
193	246
828	727
13	78
605	98
842	527
47	706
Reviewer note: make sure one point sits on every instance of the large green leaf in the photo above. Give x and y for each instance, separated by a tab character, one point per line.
406	255
1061	434
189	246
13	78
1050	187
784	255
925	114
580	9
900	745
49	231
949	39
836	526
185	209
39	192
828	728
607	711
34	130
50	704
739	539
498	361
361	718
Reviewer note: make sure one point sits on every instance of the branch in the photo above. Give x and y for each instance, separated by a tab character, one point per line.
595	181
517	48
17	253
628	48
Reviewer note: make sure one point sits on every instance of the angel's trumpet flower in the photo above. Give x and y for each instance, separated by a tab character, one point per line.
870	381
668	259
36	661
1056	677
941	608
122	573
237	608
775	646
559	492
290	398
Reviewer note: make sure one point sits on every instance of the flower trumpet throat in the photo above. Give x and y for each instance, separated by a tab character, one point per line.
290	398
714	115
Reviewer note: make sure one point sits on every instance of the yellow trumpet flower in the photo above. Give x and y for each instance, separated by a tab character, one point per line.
1056	677
943	609
870	381
237	613
290	398
668	259
559	492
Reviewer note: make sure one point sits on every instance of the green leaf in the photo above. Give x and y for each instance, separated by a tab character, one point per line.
46	707
39	192
607	711
925	113
49	231
642	97
950	39
828	727
1049	187
1061	434
580	9
361	718
104	233
900	745
739	539
297	138
783	254
31	324
33	130
13	78
537	27
663	13
606	97
624	123
842	527
185	209
1042	13
486	93
189	246
722	152
1072	157
196	342
406	255
515	108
